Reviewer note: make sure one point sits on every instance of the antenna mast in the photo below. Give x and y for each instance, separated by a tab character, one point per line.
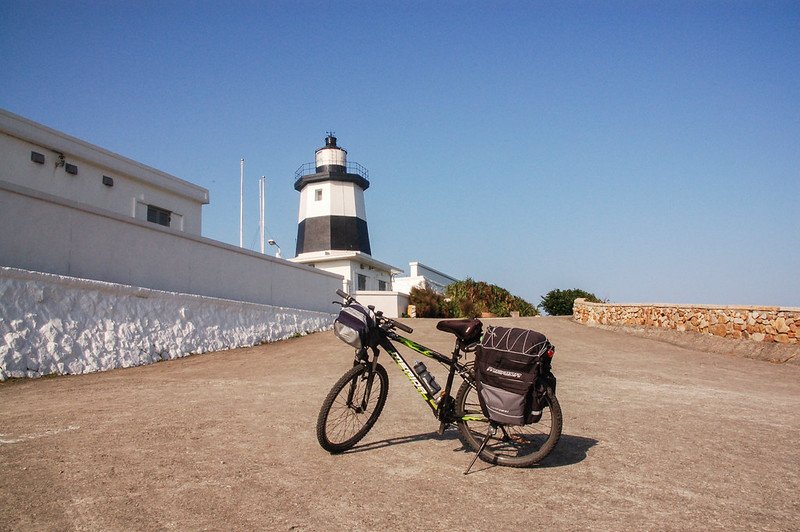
262	193
241	202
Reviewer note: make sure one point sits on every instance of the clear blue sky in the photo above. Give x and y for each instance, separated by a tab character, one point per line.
643	151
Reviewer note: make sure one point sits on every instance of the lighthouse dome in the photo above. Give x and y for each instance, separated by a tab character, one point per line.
331	157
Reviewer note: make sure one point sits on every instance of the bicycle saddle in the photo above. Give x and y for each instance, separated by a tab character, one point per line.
466	330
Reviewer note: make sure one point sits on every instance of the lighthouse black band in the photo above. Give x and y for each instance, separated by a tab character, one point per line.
322	233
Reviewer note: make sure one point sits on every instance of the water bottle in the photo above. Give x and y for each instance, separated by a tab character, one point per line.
428	381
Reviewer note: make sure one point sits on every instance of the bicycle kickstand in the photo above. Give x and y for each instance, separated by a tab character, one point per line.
491	431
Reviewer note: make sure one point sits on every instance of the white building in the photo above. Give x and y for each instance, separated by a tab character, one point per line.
48	161
71	208
361	272
422	276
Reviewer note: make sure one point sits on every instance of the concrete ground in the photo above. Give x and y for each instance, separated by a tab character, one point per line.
656	436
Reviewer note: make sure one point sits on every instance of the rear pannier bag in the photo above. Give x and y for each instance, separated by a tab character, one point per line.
353	325
507	363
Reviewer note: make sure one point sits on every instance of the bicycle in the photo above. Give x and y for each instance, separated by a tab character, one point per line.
356	400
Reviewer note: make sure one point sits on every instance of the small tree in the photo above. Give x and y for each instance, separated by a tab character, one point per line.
429	303
560	302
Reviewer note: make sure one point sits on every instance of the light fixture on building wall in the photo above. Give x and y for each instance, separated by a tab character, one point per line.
273	243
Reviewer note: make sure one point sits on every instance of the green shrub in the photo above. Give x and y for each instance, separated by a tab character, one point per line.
429	303
560	302
469	298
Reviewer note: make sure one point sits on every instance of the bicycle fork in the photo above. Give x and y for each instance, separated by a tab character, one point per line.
363	359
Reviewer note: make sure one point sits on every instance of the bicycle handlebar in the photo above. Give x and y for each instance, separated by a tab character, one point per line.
405	328
402	327
341	293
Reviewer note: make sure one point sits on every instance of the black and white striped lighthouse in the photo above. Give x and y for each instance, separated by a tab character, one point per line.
332	214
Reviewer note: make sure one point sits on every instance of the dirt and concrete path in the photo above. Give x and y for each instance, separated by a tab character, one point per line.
656	436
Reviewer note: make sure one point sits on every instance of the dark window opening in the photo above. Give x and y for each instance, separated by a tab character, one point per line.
37	157
362	282
158	215
382	286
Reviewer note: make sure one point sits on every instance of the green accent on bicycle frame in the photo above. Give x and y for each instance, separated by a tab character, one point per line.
421	349
473	418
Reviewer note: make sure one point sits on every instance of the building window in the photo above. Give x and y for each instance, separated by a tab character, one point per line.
382	286
318	194
362	281
159	216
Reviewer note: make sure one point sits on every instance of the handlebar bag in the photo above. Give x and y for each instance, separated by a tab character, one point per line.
507	363
353	325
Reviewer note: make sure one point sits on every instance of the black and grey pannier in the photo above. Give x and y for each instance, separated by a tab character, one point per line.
353	325
507	364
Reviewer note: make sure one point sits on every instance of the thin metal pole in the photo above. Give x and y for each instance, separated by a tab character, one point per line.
241	203
262	191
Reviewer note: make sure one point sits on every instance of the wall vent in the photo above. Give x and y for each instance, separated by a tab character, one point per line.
108	181
71	169
37	157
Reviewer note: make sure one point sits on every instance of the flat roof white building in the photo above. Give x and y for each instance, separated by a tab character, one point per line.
361	272
70	208
49	161
421	276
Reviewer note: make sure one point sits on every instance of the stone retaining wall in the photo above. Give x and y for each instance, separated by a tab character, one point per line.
760	324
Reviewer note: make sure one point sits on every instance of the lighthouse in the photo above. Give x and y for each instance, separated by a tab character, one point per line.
332	215
332	233
332	230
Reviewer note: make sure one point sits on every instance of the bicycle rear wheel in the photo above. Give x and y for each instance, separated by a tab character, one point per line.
352	407
511	445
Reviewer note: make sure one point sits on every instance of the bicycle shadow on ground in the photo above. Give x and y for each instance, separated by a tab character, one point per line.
570	449
388	442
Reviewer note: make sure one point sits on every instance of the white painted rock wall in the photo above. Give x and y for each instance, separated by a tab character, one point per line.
63	325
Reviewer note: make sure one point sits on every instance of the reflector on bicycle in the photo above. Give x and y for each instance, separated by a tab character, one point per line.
353	324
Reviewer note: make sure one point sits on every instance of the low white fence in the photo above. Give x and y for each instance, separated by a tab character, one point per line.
63	325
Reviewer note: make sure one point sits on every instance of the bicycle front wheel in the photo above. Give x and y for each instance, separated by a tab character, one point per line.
511	445
352	407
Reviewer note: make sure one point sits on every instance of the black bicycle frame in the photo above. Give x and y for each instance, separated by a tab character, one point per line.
451	362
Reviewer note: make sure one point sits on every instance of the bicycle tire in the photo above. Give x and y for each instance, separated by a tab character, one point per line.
341	424
512	445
